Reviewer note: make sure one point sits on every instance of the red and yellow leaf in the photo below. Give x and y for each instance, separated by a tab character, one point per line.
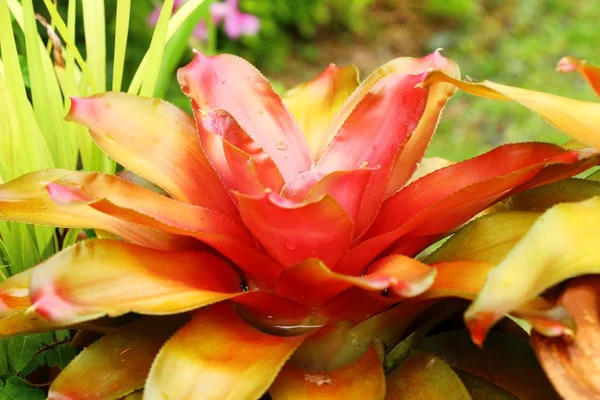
128	202
390	112
312	283
239	160
26	199
232	84
560	245
591	73
105	277
218	355
155	140
14	293
117	364
448	197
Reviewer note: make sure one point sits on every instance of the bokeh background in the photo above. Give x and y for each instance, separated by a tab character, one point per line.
516	42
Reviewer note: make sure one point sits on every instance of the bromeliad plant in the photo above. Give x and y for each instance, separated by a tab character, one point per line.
270	241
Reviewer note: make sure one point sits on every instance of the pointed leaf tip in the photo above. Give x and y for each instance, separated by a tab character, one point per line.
107	277
155	140
568	64
560	245
479	324
591	73
78	104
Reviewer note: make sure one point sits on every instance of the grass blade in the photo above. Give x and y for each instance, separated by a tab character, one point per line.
121	32
156	50
61	27
177	46
31	153
175	24
95	40
46	94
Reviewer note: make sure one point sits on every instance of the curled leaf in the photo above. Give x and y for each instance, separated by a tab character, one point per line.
562	244
576	118
572	363
591	73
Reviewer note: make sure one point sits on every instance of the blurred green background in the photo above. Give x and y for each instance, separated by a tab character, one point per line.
516	42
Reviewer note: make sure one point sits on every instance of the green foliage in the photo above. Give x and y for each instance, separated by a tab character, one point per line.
463	10
16	388
26	353
301	22
22	349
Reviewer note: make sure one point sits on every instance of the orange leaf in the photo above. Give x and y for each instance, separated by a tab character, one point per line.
295	383
155	140
116	364
218	355
106	277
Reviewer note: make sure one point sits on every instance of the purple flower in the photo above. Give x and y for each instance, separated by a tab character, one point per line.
153	18
200	31
236	23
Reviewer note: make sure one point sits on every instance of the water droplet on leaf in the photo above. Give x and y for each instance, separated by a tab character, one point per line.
281	145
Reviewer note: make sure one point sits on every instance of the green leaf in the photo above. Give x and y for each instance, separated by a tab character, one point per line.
175	23
424	376
542	198
46	95
177	46
17	389
486	239
156	50
95	40
505	360
121	32
480	389
60	356
69	41
22	349
401	351
36	362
